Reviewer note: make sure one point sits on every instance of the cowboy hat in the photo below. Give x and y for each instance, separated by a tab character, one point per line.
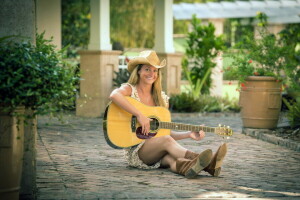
148	57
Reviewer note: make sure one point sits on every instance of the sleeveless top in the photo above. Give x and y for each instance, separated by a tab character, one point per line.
131	154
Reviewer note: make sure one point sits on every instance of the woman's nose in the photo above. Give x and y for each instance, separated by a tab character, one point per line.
151	72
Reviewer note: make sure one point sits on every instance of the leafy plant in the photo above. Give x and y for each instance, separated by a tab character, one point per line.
122	76
203	47
185	102
36	77
293	113
290	37
263	56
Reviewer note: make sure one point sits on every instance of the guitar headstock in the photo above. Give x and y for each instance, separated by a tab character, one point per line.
223	130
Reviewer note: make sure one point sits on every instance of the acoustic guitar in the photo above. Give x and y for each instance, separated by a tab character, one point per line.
122	130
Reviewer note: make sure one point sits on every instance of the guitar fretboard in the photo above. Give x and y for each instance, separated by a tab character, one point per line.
185	127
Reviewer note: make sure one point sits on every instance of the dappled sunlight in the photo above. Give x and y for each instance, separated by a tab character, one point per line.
245	192
222	194
282	193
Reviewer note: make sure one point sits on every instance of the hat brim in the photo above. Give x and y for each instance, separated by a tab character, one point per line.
141	60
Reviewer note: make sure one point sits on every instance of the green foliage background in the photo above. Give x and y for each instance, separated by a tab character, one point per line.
75	25
132	23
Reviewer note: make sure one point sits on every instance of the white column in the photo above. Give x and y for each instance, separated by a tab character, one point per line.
48	19
164	26
217	72
99	31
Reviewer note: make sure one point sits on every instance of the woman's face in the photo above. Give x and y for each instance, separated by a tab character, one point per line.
148	74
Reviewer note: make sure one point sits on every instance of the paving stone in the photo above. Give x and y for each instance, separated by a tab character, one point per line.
74	162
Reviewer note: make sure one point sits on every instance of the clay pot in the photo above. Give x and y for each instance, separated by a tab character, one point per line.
260	101
11	153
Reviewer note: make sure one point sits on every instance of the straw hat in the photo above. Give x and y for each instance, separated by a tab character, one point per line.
147	58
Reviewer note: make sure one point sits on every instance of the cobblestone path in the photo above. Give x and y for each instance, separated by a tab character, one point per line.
74	162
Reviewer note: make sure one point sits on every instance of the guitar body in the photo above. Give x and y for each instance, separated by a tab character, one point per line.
121	129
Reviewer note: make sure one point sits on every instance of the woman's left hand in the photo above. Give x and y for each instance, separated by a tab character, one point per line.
197	135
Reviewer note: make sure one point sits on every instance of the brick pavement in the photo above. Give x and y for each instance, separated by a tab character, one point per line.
74	162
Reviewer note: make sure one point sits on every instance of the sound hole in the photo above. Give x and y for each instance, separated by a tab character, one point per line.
154	125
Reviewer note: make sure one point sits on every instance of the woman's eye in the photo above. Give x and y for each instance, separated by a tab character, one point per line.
148	69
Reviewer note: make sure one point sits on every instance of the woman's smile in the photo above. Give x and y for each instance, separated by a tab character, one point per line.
148	73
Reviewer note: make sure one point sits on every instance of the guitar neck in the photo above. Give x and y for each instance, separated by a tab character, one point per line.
185	127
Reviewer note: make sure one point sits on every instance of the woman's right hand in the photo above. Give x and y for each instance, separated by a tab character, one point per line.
145	123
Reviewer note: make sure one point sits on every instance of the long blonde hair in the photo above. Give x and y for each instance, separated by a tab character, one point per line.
156	87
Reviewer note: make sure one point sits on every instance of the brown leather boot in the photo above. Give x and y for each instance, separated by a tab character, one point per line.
214	167
191	168
190	155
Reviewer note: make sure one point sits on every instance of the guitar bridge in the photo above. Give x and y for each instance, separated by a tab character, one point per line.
133	123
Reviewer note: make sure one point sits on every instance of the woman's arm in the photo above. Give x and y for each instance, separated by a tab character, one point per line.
189	134
118	97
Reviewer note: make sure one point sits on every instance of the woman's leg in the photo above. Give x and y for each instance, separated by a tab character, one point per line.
155	149
169	162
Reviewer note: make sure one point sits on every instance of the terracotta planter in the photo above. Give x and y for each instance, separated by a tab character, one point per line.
260	101
11	153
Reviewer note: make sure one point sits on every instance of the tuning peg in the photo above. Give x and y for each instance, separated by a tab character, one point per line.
226	137
219	125
228	126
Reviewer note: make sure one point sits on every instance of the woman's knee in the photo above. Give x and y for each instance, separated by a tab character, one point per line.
167	140
160	143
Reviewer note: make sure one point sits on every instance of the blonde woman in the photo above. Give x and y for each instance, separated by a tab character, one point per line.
144	85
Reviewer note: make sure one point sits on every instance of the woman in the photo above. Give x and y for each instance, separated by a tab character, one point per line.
144	85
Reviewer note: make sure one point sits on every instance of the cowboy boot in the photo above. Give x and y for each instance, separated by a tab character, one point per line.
214	167
190	155
191	168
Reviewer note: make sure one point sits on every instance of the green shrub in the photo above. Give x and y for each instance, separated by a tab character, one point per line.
232	105
263	56
185	102
36	77
290	36
122	76
229	76
294	114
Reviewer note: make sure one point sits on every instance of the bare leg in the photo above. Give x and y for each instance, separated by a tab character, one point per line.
155	149
169	162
